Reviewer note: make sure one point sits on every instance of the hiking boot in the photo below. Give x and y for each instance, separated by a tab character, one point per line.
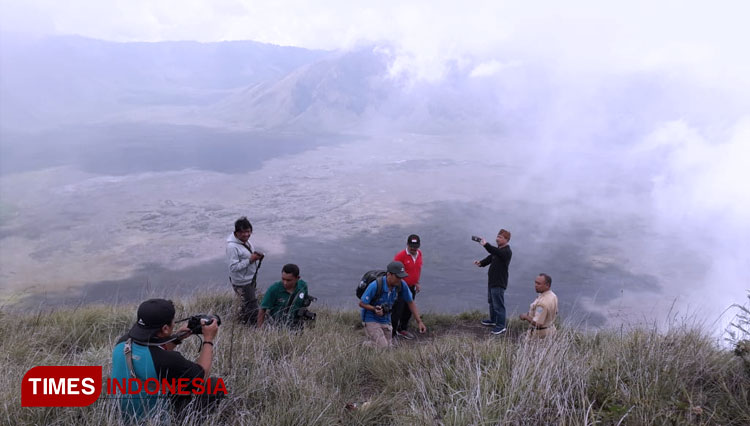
499	330
405	334
488	323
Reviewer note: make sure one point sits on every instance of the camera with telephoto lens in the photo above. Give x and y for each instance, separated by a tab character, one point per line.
303	313
306	315
196	322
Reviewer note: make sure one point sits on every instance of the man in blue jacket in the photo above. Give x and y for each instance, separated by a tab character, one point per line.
377	302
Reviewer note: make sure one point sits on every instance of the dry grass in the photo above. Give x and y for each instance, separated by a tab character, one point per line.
456	375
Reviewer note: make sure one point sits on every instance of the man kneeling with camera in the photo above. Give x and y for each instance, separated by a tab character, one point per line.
286	301
147	352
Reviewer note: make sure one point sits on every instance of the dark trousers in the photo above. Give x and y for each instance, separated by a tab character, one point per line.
401	314
248	303
496	299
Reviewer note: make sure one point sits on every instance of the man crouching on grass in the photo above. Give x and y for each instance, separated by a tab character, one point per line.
285	301
377	301
147	352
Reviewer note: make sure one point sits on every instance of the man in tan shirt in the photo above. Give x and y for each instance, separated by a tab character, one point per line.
543	310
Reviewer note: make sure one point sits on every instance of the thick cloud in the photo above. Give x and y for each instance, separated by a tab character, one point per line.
686	37
610	112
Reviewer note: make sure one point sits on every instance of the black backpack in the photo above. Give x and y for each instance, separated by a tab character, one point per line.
367	278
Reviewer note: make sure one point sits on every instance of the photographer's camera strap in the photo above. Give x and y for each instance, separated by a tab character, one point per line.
292	296
128	349
289	303
382	288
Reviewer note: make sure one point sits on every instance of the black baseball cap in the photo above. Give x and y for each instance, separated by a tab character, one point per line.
413	240
153	314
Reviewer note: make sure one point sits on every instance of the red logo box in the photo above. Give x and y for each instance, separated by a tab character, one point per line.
61	386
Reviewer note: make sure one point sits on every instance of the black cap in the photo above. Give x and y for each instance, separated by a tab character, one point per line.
153	314
413	240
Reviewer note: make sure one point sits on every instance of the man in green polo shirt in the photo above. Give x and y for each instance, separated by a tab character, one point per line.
284	298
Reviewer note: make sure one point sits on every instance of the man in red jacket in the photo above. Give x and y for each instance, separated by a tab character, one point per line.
412	260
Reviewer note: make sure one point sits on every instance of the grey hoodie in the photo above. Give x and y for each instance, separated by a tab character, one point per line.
241	270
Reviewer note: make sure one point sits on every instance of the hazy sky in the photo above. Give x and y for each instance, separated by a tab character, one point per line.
705	40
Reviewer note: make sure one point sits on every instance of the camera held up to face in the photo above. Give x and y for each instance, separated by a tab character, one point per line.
195	322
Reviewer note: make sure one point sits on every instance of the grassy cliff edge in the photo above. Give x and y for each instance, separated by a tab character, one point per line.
454	375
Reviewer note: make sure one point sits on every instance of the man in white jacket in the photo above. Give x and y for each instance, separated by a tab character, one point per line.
243	264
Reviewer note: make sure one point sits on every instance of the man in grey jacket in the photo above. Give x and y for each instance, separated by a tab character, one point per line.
243	264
